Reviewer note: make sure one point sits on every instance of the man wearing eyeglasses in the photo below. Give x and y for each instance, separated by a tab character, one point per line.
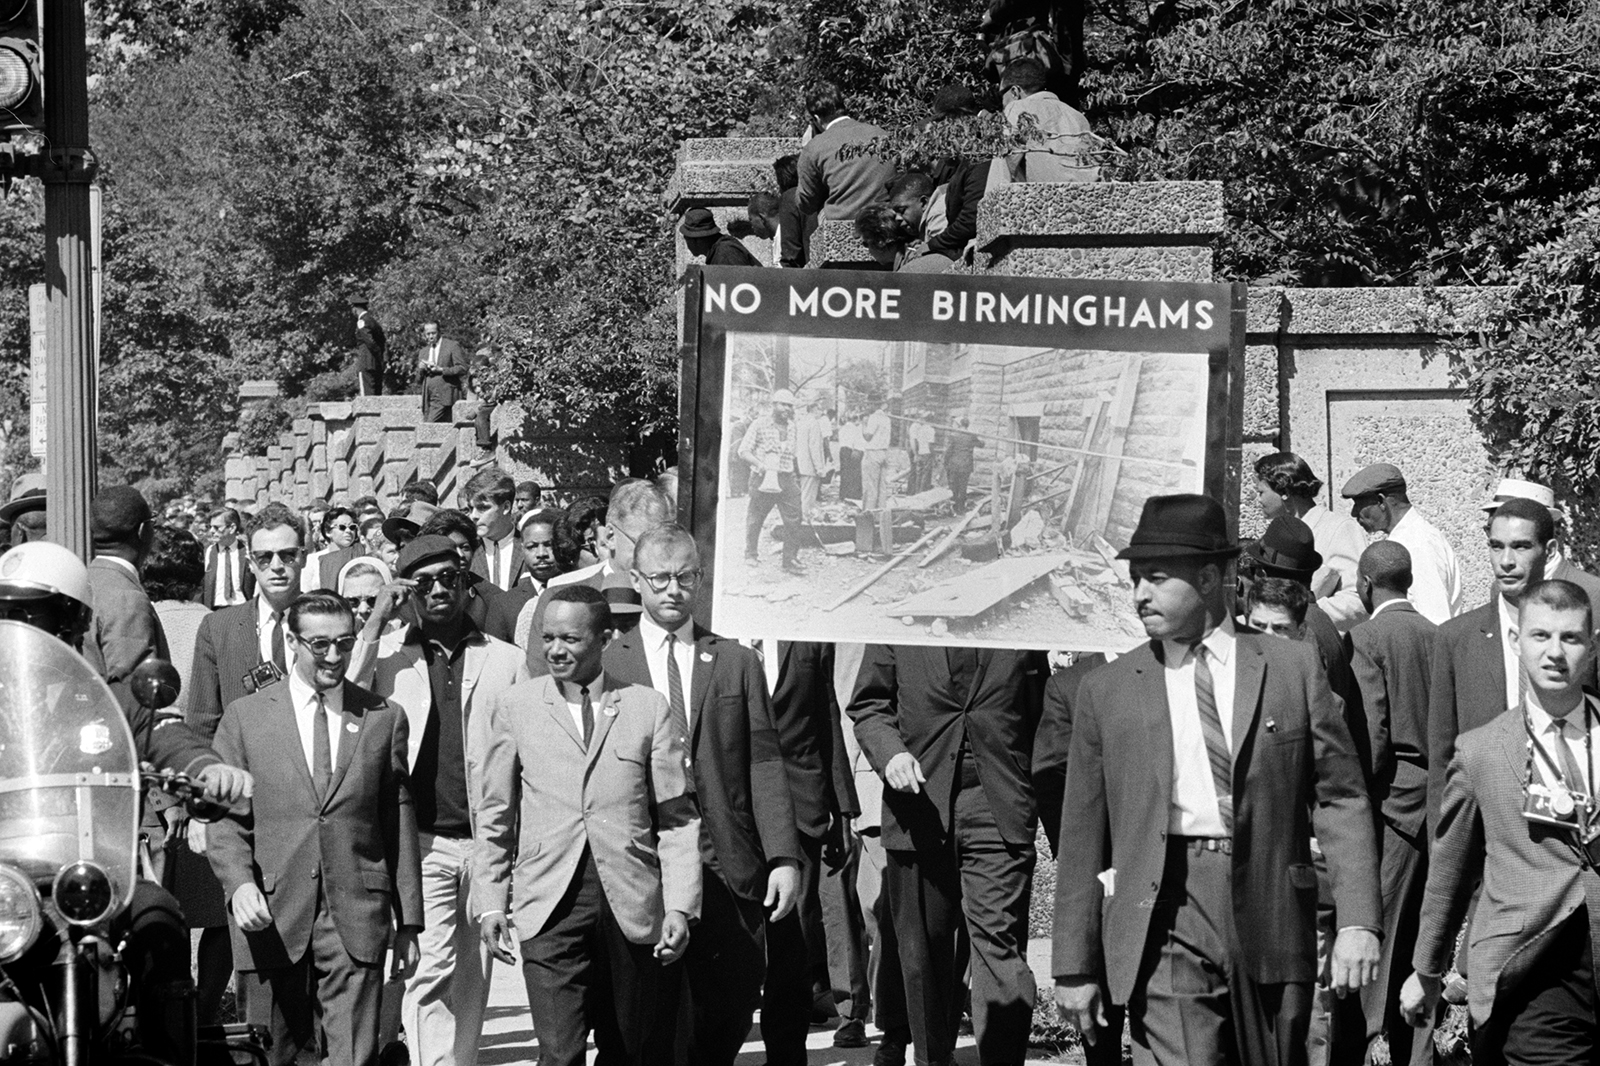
327	854
716	690
444	673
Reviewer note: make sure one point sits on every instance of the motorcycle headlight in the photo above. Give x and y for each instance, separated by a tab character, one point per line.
82	893
21	917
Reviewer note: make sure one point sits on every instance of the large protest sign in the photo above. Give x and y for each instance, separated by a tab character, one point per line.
963	456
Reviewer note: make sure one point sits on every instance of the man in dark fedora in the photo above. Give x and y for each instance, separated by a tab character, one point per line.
1202	763
705	239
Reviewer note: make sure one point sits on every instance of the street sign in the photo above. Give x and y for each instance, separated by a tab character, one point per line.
38	307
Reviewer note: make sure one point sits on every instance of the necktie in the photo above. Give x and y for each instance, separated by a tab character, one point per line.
1569	760
225	564
493	552
277	644
963	664
1216	741
321	749
675	701
588	718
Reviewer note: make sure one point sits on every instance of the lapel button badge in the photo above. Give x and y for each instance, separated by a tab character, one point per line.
350	727
705	656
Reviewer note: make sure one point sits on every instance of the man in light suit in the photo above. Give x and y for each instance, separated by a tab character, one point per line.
1475	672
716	692
1393	664
588	847
950	731
228	581
1201	765
834	183
811	458
444	674
442	370
327	854
125	630
1517	807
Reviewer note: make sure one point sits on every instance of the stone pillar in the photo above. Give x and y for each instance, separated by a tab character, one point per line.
720	174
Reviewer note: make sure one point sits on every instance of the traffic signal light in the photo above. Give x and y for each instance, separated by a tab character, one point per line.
21	67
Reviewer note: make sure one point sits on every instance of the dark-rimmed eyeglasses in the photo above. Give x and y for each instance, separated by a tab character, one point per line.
449	580
321	645
288	556
659	582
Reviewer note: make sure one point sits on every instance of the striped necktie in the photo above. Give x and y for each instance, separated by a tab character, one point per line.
1217	752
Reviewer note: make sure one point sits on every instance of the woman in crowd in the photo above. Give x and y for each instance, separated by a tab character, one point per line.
173	572
1286	485
361	582
339	531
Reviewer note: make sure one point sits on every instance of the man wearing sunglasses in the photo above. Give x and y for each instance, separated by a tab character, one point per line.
327	855
445	674
717	692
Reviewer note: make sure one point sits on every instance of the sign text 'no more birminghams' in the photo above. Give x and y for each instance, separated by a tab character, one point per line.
1065	313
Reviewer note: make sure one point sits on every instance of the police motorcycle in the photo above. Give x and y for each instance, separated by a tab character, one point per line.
70	791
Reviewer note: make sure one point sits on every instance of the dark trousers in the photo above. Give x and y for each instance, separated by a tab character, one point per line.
725	966
883	973
584	975
326	992
787	501
433	411
157	957
979	883
1193	1005
787	995
483	426
958	476
1548	1019
1402	875
370	382
844	925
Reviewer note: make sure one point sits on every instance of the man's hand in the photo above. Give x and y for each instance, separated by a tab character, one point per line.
250	908
226	784
1078	1001
838	843
195	834
783	889
390	598
904	774
1419	999
496	931
1355	960
674	937
406	955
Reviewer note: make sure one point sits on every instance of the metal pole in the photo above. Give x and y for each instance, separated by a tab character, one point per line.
68	265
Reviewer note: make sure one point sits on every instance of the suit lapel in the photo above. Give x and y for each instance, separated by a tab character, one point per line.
246	641
705	663
349	739
476	655
555	705
282	708
985	656
1514	745
1493	649
1248	674
604	714
1151	696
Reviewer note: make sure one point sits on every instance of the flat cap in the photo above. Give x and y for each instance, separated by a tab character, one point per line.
425	550
1379	479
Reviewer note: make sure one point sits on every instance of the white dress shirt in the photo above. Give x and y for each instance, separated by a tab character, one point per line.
264	633
876	433
1508	652
575	705
1194	811
230	562
655	654
497	555
1544	734
1340	540
304	699
1435	576
767	652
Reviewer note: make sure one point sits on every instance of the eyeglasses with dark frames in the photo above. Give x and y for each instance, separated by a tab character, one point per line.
659	582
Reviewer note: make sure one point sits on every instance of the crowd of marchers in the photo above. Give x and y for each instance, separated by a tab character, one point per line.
1318	803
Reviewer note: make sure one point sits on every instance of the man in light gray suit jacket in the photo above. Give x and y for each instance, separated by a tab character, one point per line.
587	849
125	630
842	168
327	855
1511	785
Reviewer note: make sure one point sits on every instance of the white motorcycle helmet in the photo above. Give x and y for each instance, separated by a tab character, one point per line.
46	586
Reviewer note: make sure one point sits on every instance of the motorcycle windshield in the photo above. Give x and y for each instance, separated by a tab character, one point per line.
69	773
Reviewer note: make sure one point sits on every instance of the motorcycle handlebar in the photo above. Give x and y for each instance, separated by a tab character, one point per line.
168	788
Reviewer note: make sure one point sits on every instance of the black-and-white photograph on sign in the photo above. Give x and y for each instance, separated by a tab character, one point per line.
896	485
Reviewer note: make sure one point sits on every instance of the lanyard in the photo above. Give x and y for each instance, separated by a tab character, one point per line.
1550	764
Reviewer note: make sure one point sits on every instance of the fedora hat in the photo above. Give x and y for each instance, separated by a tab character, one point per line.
1513	488
620	594
408	523
1286	549
699	222
1186	524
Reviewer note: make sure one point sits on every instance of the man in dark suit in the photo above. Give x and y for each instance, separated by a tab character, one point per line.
1393	665
836	183
125	630
442	370
483	598
328	851
371	349
1475	672
498	558
1558	565
1051	745
805	711
1201	765
950	731
704	238
1518	808
228	581
748	842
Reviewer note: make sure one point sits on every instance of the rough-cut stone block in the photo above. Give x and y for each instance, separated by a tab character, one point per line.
835	245
258	390
322	486
332	411
1260	390
319	432
1148	263
724	170
1090	213
1265	313
1402	311
736	149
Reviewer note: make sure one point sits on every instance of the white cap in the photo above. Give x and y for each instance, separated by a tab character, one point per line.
40	568
1512	488
783	396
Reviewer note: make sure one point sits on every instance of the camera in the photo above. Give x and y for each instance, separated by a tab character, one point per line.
260	677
